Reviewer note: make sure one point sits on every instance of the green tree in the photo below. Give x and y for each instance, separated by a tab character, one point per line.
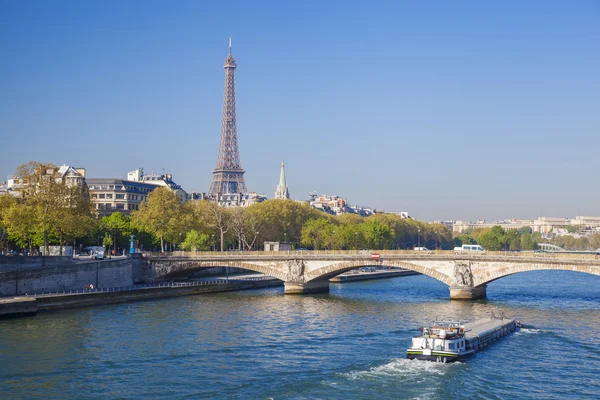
317	233
159	214
196	241
376	234
465	239
492	239
571	228
527	241
118	226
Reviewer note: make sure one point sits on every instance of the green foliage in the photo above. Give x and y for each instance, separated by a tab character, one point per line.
492	239
159	215
317	233
376	234
47	208
571	228
196	241
465	239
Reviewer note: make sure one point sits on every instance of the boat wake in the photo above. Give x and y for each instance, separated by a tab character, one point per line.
401	367
529	331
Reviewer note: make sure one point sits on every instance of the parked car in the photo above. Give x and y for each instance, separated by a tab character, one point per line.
99	255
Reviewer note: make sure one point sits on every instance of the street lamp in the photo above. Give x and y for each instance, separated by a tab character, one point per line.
212	242
257	241
436	239
419	233
356	240
332	239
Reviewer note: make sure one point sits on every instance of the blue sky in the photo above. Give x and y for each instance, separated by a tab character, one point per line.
447	110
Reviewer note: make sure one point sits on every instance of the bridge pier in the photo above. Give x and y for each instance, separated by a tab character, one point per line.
468	293
306	287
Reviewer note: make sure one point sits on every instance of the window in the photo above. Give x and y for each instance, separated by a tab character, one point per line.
101	196
109	196
100	206
120	206
118	187
111	187
119	196
94	196
451	345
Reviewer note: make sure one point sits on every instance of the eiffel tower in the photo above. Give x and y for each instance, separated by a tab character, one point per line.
228	176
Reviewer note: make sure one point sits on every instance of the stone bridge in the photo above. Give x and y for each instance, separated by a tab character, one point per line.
467	276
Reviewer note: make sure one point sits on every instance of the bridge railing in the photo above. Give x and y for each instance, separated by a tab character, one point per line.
368	253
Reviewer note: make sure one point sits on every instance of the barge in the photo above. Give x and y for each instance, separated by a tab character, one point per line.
449	341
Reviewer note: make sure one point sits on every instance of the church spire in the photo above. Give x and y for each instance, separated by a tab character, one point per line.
282	190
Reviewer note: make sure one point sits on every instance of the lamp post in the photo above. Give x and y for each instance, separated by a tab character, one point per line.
257	242
436	240
356	240
419	233
332	239
212	242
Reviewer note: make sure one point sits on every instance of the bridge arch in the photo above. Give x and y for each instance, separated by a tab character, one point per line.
174	267
329	271
498	273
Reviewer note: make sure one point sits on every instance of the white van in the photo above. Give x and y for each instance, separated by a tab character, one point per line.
422	250
469	248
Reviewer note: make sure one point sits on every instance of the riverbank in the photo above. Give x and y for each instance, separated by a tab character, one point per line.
29	305
365	276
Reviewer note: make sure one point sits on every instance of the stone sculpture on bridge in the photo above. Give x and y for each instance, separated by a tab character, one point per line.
463	276
295	270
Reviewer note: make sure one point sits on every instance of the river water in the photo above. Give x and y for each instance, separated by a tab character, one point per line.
349	344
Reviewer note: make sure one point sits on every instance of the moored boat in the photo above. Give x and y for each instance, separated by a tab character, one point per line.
450	341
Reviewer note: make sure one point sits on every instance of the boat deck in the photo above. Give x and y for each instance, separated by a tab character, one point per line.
476	328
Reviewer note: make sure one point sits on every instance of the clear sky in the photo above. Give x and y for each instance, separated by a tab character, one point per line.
447	110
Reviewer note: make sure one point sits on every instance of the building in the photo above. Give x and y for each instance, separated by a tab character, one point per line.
165	180
68	175
238	199
361	210
228	176
282	190
109	195
71	176
335	205
277	246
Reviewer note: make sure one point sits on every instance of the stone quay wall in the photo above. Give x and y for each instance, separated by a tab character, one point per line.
55	274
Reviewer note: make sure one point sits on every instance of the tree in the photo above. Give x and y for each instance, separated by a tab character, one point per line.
57	208
283	220
195	241
527	241
571	228
246	227
159	214
376	234
465	239
317	233
116	224
492	239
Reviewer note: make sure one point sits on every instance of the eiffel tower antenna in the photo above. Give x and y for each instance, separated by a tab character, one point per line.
228	176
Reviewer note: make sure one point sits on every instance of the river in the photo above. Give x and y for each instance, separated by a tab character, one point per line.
348	344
